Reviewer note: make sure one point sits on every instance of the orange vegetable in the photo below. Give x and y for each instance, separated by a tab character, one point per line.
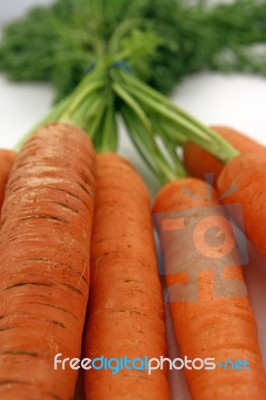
222	328
6	161
198	161
126	314
248	173
44	245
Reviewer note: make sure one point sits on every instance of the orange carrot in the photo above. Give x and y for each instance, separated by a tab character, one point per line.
126	316
219	322
221	328
248	173
6	161
198	161
45	235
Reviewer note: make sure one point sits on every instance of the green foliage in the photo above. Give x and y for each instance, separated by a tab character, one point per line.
162	40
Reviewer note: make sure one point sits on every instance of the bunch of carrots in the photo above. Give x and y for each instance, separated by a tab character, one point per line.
78	253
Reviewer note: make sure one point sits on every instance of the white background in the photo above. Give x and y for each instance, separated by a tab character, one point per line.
235	100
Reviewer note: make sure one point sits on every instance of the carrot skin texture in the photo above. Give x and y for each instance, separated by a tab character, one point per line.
45	235
126	313
7	158
221	328
248	173
199	162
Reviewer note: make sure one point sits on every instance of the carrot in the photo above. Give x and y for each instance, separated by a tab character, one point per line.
248	173
222	328
126	315
45	241
6	161
213	318
198	161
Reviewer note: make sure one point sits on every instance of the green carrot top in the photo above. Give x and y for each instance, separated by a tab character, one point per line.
162	40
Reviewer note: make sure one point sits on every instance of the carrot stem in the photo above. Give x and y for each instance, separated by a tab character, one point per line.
149	149
95	101
196	132
191	128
